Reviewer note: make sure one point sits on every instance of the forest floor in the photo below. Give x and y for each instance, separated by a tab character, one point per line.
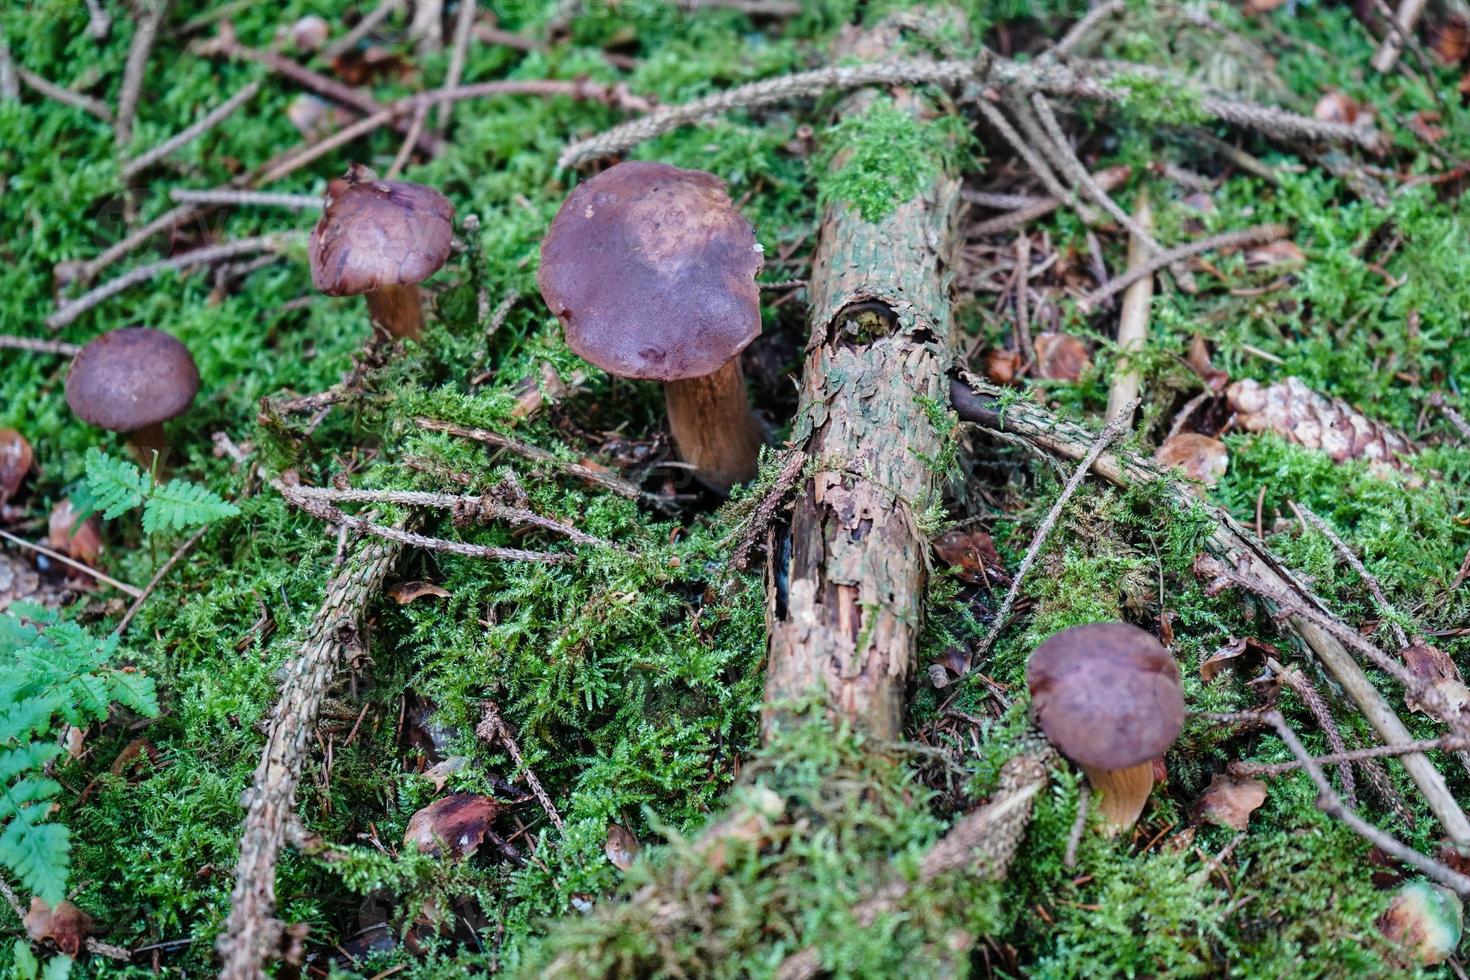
600	708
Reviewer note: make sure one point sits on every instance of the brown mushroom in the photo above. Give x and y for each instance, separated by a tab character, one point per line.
1107	695
133	380
381	238
652	271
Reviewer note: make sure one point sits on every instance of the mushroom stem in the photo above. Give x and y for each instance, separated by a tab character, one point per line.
714	429
149	440
1123	792
399	309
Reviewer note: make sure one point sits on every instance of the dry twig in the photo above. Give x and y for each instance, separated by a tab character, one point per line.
265	199
150	18
58	347
492	726
158	577
65	96
205	123
1107	178
1133	321
41	549
1230	239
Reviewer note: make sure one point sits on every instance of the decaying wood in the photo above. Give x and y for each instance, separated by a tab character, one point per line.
846	595
976	401
252	933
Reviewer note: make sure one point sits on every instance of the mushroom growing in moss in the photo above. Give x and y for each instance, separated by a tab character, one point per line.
380	239
133	380
652	271
1107	695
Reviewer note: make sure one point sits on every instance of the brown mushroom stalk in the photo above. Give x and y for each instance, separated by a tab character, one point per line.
713	426
651	271
1108	696
380	239
133	380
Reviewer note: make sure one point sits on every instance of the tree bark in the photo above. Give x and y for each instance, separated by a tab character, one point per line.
846	591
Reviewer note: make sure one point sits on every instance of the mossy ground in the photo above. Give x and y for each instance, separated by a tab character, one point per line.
633	677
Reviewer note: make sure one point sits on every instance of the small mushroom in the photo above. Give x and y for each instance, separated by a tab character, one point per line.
1107	695
381	238
652	271
133	380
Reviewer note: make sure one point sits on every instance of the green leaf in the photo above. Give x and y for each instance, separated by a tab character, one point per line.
57	968
13	762
23	962
179	504
133	691
116	485
40	854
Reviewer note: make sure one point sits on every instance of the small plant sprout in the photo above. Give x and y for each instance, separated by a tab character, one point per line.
1107	695
380	239
133	380
652	271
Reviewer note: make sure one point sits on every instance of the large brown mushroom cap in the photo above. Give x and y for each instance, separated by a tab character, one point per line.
131	378
1107	695
376	233
652	271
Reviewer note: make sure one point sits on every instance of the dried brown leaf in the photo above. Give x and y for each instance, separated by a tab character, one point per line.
1337	107
79	541
972	553
439	773
458	822
1282	253
1061	357
1002	366
1197	457
1450	39
1199	362
405	592
65	925
1229	802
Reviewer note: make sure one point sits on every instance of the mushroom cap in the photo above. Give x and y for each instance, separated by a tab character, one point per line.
131	378
1107	695
376	233
652	271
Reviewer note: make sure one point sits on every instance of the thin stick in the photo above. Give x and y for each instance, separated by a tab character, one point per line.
99	22
225	43
1133	320
265	199
1331	804
1110	432
492	726
1023	297
1076	171
274	242
1443	743
39	346
1385	608
1298	682
536	454
482	507
1400	27
72	563
462	25
65	96
158	576
1079	31
405	150
207	122
1108	178
364	27
1448	410
9	84
1079	825
334	515
1027	152
1230	239
151	14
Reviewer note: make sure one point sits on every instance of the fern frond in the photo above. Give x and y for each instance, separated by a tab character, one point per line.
116	485
179	504
39	853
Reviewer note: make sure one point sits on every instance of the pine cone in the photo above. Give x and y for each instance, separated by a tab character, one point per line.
1298	414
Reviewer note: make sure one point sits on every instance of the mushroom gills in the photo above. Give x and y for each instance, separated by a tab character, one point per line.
1123	794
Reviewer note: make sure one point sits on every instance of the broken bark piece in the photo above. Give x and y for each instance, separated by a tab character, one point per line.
846	595
1300	415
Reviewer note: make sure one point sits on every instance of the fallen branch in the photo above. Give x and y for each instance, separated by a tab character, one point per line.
1320	713
1446	743
207	122
59	347
1108	179
274	242
976	401
492	727
296	202
1133	320
1400	30
86	569
987	70
1230	239
150	18
158	577
1107	437
89	105
251	933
